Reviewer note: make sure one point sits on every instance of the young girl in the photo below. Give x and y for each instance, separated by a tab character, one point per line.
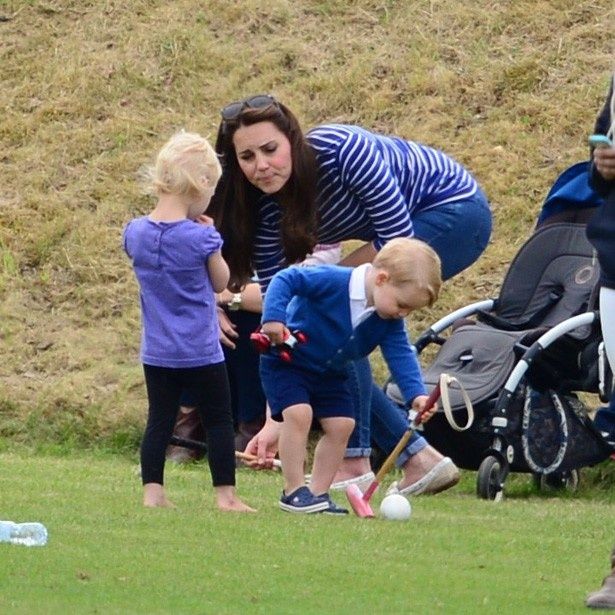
175	253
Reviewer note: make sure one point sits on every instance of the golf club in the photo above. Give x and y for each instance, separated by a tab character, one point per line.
360	501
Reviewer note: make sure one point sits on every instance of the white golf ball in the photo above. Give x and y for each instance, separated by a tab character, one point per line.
395	507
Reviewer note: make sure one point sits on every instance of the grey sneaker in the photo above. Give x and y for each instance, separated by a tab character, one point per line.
604	598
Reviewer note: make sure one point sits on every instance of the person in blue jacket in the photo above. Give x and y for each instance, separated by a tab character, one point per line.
601	233
345	313
282	192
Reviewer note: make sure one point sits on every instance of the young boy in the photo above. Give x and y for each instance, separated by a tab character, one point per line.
345	313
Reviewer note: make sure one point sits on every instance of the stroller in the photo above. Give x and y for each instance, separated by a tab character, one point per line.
524	357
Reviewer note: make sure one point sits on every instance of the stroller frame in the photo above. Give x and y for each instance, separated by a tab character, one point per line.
496	448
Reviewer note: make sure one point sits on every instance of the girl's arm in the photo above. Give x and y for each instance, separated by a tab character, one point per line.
218	270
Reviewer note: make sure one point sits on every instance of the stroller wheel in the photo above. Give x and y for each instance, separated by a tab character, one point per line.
490	479
568	481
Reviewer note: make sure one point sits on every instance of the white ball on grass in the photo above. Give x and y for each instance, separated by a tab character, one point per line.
395	507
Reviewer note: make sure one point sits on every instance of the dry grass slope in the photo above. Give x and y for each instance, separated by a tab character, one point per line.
90	89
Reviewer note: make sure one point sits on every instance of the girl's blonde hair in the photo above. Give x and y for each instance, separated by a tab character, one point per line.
186	164
411	261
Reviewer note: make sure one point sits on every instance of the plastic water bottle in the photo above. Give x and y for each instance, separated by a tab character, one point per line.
27	534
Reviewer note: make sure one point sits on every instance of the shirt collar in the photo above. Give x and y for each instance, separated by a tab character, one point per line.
359	310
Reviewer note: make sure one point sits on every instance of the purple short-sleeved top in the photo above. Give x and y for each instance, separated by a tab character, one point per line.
178	307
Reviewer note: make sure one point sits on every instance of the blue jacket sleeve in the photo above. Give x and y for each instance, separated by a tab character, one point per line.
312	282
403	362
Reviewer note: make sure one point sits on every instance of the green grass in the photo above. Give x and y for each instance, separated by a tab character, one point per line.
530	553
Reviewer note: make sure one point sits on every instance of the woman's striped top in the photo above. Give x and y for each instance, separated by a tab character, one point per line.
369	188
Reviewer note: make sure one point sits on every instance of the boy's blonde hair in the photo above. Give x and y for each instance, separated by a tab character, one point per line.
186	164
411	261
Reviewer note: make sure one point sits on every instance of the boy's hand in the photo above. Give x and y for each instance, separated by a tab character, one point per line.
275	331
419	403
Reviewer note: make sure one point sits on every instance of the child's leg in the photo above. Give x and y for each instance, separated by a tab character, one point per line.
163	392
214	406
292	445
329	451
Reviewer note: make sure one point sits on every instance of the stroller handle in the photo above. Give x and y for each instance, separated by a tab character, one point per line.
544	341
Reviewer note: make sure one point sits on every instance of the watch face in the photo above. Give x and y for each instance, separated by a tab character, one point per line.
235	303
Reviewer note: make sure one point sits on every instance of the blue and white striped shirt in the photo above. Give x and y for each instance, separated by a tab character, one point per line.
369	187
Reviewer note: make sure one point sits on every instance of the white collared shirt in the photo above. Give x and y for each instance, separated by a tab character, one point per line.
359	310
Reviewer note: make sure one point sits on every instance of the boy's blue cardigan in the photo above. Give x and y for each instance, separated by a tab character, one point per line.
316	300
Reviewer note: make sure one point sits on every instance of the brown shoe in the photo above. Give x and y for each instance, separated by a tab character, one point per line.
188	425
604	598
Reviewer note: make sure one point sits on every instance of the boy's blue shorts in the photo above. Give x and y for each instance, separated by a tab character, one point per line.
286	385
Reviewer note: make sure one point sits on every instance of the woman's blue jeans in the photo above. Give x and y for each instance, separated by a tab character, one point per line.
459	232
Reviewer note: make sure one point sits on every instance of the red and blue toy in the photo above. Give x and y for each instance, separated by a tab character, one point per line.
263	344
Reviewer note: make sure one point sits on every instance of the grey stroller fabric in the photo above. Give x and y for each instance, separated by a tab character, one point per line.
551	278
480	357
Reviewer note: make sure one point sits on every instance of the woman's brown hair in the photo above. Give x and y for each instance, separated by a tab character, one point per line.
234	206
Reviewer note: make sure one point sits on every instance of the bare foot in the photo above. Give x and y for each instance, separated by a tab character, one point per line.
154	497
351	467
158	503
235	506
228	501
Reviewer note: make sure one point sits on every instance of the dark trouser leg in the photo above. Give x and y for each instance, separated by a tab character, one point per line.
242	363
211	390
163	393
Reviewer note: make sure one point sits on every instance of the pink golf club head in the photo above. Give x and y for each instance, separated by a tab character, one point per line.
358	503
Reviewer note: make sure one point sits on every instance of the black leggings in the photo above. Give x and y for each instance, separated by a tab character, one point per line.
208	386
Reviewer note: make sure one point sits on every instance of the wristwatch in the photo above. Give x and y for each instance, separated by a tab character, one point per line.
235	303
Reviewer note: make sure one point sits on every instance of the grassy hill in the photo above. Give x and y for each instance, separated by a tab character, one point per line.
91	89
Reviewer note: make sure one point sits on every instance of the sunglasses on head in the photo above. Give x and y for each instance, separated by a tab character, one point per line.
261	101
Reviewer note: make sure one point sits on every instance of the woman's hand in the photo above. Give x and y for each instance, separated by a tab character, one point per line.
604	160
419	403
264	445
227	330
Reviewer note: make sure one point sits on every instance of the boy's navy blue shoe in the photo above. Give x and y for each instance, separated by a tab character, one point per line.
333	508
302	500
